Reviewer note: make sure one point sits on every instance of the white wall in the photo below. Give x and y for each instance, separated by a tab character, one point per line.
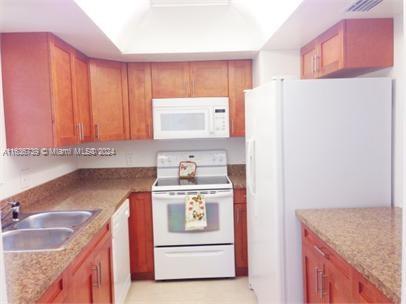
268	64
21	173
142	153
397	73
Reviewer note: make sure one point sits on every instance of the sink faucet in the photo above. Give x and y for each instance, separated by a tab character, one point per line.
15	211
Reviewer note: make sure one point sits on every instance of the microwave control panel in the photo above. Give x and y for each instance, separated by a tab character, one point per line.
220	120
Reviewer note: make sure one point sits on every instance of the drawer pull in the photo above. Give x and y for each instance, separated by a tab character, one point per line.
321	252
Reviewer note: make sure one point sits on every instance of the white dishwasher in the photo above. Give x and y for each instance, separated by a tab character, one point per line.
121	253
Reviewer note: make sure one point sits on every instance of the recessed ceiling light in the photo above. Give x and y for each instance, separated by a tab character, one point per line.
170	3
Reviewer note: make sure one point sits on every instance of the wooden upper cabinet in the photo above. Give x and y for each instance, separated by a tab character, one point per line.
109	93
170	79
190	79
308	64
330	53
82	97
209	78
140	100
239	79
62	60
349	48
39	104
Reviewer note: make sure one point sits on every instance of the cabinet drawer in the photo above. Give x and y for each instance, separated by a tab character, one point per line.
193	262
326	252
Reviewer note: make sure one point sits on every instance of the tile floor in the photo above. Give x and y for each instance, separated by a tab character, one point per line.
229	291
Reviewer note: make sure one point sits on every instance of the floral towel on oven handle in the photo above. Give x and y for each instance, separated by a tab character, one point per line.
195	212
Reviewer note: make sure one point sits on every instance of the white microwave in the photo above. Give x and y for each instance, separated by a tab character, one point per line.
202	117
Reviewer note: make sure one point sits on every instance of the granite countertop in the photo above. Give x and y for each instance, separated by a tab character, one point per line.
29	274
369	239
238	181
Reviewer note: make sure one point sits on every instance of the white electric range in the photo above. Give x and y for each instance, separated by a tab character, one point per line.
207	253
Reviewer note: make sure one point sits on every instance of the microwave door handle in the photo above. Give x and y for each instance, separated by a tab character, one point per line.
211	121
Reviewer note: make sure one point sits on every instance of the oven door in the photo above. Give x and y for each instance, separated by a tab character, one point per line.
168	209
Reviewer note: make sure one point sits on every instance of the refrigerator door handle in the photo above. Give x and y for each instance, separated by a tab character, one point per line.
251	167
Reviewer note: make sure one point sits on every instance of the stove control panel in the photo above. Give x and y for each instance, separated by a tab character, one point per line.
202	158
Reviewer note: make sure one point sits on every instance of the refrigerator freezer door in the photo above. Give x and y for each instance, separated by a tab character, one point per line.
264	192
337	153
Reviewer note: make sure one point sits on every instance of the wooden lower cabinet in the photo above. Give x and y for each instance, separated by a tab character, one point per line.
141	236
88	279
327	278
240	233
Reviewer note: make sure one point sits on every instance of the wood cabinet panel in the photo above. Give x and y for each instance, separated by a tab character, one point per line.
88	279
240	239
349	48
312	270
308	61
46	92
140	100
365	292
25	73
170	79
327	278
109	91
209	78
56	293
82	96
102	279
330	56
141	236
240	232
239	79
240	196
62	92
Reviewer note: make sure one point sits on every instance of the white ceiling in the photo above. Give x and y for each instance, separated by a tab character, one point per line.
157	30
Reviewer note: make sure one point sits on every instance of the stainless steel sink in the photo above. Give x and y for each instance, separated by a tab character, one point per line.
53	219
44	231
36	239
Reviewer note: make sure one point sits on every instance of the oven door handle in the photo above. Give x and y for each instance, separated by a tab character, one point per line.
167	196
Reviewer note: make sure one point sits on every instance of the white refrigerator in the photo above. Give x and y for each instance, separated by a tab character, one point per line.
310	144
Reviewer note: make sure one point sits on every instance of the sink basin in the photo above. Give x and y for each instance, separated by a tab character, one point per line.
35	239
53	219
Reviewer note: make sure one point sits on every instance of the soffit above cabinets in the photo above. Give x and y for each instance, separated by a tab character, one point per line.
152	30
313	17
166	3
174	30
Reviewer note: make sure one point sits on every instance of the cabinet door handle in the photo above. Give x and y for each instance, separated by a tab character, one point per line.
96	131
82	133
316	275
95	282
100	274
312	64
321	287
